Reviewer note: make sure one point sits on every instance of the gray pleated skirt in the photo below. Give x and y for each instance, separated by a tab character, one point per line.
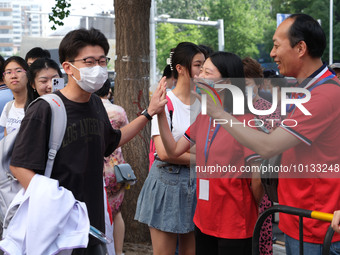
168	200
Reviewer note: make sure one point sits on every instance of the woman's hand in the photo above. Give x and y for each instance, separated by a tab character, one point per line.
211	103
336	221
158	100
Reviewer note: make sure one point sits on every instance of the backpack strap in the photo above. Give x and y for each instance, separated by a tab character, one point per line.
9	106
58	127
171	110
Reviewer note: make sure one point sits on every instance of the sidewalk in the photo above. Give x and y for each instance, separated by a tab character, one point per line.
137	249
278	246
146	249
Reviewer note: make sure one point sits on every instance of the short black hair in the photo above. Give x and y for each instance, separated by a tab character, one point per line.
183	54
306	28
37	52
104	91
78	39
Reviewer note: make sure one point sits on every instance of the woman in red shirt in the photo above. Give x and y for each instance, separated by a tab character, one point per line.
227	197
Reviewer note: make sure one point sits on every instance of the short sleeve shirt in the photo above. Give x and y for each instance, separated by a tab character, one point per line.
11	117
78	165
183	116
231	211
320	145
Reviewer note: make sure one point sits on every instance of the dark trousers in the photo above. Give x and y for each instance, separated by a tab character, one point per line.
98	249
206	244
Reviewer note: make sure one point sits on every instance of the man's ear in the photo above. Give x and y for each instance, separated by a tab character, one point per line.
67	68
302	48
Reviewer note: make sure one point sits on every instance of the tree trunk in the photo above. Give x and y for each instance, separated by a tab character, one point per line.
132	93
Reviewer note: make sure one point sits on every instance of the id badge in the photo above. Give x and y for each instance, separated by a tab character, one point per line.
204	190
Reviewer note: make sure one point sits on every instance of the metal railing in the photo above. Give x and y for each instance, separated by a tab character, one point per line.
302	213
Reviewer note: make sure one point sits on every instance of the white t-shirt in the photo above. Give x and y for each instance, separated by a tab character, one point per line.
12	121
183	116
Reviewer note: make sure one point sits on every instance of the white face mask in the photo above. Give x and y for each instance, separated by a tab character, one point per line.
91	78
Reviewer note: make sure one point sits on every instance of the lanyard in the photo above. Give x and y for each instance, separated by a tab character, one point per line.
291	107
206	148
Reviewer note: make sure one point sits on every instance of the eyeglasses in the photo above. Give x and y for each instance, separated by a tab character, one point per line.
91	61
14	71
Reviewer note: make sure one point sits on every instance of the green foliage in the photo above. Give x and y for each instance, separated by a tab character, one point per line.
59	12
247	26
182	9
169	35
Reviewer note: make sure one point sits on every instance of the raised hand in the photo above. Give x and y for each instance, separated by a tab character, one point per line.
336	221
211	102
158	99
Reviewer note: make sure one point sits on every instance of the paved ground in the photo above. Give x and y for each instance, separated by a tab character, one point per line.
146	249
278	247
137	249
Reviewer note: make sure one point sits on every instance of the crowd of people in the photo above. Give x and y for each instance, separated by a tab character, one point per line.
188	209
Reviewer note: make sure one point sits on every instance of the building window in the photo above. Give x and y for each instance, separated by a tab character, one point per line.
5	23
5	40
3	14
4	31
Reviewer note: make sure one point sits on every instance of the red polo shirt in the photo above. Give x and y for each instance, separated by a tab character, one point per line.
320	136
230	211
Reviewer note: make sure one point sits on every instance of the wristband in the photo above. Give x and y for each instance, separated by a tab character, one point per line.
145	113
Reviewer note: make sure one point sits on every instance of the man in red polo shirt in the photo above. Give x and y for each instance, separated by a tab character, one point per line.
311	146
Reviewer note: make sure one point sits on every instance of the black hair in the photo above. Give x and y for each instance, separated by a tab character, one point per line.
307	29
207	50
19	60
2	62
37	52
104	91
77	39
183	55
268	72
230	66
167	72
37	66
278	80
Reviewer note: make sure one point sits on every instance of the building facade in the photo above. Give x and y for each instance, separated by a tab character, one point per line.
16	21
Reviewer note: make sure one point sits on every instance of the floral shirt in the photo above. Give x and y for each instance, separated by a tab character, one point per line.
262	104
115	191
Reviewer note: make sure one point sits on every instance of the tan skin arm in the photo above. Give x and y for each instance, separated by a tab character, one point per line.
23	175
157	104
256	184
336	221
183	159
173	149
266	145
